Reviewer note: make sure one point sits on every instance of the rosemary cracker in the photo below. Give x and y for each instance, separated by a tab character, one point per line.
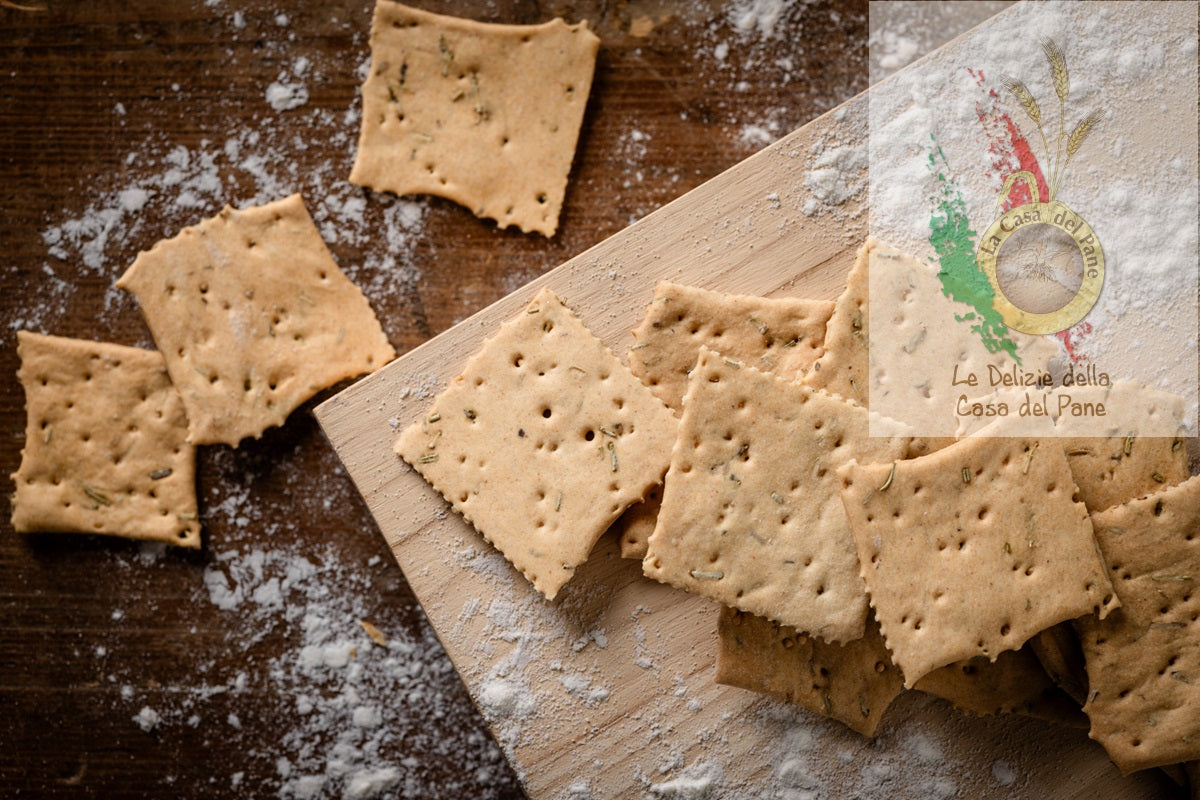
973	549
542	441
781	335
105	444
1014	683
1143	660
253	317
853	683
1109	471
485	115
845	361
750	514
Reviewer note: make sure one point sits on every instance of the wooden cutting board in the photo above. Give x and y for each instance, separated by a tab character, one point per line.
609	692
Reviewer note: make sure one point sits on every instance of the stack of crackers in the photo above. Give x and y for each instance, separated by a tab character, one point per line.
1046	577
251	316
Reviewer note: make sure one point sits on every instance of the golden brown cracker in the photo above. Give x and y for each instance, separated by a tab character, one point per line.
253	317
1014	683
1109	471
853	683
782	335
1143	660
105	443
750	513
843	366
972	550
485	115
542	441
637	523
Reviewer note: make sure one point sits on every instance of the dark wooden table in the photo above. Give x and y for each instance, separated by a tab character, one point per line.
242	670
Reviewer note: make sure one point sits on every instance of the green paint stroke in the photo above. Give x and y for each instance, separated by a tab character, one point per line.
954	242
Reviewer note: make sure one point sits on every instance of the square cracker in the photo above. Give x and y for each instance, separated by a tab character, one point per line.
973	549
844	363
853	683
750	513
485	115
542	441
1109	471
782	335
253	317
1143	660
1014	683
105	443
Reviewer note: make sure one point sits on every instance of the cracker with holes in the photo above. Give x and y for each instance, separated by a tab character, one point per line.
971	550
843	364
105	444
253	317
1109	471
903	372
853	683
781	335
1014	683
751	515
485	115
542	441
1143	660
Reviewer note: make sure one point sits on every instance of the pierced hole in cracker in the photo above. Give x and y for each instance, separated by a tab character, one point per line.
589	435
546	413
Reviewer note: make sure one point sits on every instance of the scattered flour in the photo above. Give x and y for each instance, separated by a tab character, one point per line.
147	719
284	96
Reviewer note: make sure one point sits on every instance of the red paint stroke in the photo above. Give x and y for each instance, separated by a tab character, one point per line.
1009	149
1072	338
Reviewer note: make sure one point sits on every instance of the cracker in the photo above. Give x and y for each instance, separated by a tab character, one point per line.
253	317
485	115
542	441
904	372
1014	683
1143	660
1109	471
973	549
750	514
853	683
780	335
845	361
637	523
105	444
1057	650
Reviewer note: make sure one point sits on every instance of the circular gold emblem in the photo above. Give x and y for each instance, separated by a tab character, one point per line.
1053	253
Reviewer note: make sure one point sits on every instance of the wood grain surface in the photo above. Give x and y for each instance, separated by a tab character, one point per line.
104	96
169	99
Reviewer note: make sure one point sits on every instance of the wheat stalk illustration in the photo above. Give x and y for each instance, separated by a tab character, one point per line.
1071	142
